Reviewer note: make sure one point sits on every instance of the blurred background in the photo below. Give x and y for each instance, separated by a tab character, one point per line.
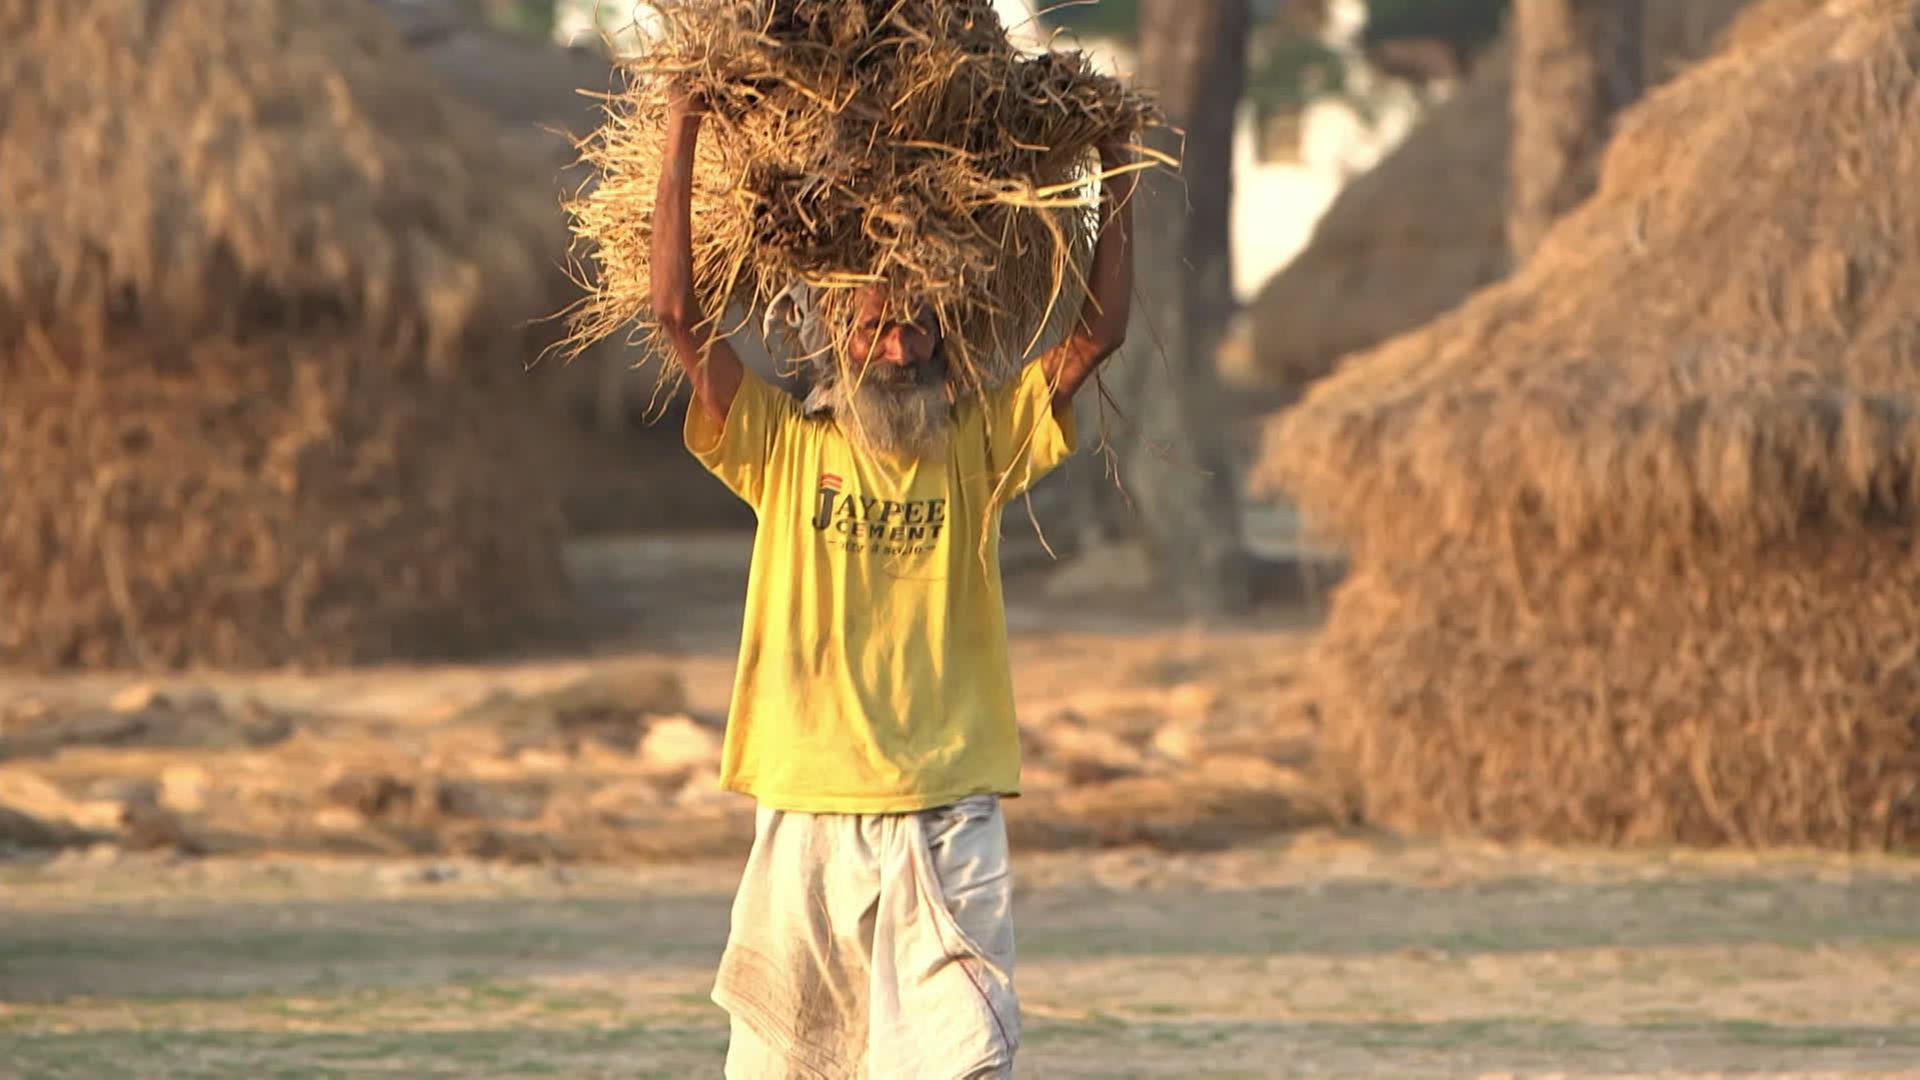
364	661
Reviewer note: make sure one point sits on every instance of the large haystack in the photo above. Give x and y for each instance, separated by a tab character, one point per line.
1633	532
261	286
1426	227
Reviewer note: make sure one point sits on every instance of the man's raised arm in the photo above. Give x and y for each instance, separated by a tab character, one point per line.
710	363
1102	325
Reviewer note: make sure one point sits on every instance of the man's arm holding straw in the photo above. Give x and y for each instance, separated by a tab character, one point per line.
709	361
1102	325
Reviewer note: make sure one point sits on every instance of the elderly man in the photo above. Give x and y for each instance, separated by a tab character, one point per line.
872	717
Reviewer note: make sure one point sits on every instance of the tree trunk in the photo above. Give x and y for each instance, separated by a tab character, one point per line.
1174	461
1576	64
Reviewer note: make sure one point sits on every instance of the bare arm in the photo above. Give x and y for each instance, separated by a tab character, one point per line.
1102	325
711	364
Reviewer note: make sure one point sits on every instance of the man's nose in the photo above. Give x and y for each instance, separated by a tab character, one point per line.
893	350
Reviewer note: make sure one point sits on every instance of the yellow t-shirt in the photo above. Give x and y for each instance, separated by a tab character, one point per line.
873	671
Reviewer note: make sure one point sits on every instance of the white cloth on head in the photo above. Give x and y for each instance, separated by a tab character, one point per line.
873	947
793	314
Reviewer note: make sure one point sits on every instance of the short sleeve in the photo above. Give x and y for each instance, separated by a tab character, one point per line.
759	421
1027	439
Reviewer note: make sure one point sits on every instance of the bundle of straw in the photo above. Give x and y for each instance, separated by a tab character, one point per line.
905	143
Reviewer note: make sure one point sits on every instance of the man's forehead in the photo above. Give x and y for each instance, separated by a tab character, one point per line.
880	302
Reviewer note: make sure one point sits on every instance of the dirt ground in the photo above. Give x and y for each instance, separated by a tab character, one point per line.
1135	727
522	869
1316	954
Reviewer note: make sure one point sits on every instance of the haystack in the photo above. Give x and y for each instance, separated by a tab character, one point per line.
1634	531
261	286
1425	228
860	141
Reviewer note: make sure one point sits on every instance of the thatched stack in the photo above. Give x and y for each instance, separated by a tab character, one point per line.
260	355
857	141
1422	230
1634	531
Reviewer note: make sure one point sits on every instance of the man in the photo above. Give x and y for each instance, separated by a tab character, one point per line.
872	715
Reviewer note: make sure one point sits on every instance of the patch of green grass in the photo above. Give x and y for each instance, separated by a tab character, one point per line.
1191	1037
298	948
643	1050
485	1003
581	1001
1098	1024
1400	1034
1514	915
482	994
668	1050
1816	1037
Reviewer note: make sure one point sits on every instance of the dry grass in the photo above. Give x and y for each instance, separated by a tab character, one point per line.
1632	530
904	142
1719	344
1605	699
260	281
1423	230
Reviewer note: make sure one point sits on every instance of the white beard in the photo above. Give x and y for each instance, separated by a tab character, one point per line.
887	415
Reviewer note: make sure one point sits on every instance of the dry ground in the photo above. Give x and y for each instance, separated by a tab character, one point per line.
1318	955
1135	729
520	869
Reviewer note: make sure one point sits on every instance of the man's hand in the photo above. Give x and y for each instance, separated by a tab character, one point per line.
684	102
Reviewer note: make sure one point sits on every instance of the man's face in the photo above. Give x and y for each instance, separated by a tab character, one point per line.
892	399
887	334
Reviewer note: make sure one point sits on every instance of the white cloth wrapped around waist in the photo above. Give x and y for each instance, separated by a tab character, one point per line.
873	946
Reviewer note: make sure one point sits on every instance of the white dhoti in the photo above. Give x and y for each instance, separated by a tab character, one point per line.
873	947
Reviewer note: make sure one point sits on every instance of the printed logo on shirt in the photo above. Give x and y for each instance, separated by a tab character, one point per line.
828	491
860	523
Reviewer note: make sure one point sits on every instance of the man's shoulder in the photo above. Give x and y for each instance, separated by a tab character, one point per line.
777	400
